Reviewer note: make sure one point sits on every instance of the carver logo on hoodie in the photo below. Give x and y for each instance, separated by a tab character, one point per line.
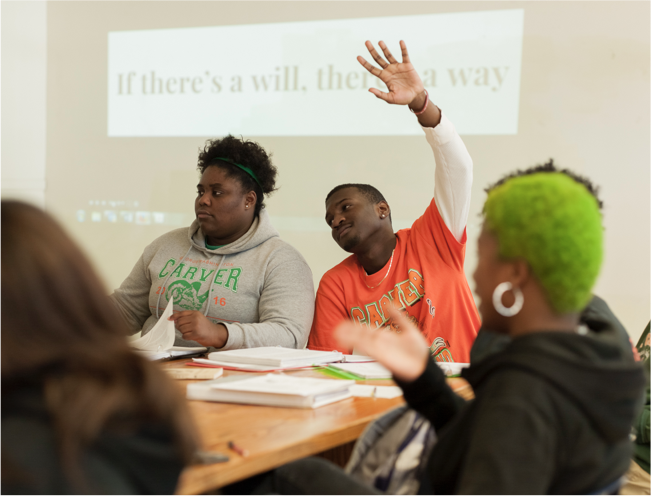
186	295
185	289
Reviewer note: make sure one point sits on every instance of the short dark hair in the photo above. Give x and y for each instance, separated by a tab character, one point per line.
550	167
244	152
371	193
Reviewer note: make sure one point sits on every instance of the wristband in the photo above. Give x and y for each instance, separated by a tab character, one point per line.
424	106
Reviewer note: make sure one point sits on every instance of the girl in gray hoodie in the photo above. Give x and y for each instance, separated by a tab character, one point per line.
234	282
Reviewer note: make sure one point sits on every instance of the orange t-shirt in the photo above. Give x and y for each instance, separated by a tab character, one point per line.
426	278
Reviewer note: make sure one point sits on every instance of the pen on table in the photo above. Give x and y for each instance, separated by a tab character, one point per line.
240	451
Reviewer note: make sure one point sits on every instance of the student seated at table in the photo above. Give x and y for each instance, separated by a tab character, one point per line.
596	316
421	268
81	412
552	411
638	480
234	282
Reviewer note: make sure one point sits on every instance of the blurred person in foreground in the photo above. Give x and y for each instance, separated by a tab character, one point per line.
553	410
81	412
637	477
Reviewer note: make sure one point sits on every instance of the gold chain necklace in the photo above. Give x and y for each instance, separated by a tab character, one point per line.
385	275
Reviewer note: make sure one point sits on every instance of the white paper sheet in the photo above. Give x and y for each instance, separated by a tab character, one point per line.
161	337
452	368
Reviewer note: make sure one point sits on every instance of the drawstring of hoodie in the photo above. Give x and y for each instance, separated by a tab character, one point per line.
205	314
165	282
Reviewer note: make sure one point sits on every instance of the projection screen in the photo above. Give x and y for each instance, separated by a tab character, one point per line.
136	88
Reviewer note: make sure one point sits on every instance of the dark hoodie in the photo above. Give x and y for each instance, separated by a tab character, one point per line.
551	415
597	316
144	460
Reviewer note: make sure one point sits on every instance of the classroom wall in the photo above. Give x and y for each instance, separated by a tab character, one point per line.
24	41
584	101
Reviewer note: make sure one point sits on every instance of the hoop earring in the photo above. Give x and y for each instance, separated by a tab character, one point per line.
497	299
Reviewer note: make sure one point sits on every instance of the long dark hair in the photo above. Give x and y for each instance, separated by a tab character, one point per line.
59	326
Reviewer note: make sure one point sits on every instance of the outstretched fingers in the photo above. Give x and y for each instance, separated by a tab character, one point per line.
405	54
400	319
370	68
348	334
376	56
387	53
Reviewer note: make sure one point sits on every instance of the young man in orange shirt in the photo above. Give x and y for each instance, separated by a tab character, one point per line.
418	269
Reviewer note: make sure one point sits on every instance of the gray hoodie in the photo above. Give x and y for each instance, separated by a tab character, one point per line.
259	287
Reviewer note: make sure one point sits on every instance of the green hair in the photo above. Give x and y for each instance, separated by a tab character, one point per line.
554	224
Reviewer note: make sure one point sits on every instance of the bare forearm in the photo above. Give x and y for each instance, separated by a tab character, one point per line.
432	115
219	337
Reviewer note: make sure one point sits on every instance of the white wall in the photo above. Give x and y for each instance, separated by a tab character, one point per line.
585	102
24	58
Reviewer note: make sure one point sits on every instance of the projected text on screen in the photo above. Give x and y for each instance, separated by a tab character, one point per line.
303	79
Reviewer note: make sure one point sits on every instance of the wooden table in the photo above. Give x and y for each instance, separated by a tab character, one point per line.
274	436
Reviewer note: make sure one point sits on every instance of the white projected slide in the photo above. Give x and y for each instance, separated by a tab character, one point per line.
303	79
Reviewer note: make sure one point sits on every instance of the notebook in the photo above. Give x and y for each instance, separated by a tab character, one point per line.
274	356
203	362
194	374
272	390
357	358
367	370
384	392
158	343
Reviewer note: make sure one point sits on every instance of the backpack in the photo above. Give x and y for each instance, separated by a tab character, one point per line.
392	452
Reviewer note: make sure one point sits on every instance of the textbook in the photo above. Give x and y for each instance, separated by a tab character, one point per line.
272	390
357	358
158	343
275	357
202	362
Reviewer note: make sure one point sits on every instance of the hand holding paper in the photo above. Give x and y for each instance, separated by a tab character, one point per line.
161	336
195	326
158	343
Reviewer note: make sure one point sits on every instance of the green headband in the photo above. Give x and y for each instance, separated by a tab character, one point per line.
244	168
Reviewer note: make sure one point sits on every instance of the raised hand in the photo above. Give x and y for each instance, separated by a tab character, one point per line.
402	80
405	353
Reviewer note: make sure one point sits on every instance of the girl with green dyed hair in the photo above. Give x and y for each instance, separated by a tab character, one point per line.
553	410
547	227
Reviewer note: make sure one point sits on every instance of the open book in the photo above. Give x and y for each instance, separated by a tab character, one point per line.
273	390
158	343
273	357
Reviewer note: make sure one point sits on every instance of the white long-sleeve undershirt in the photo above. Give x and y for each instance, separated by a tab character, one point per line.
452	175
